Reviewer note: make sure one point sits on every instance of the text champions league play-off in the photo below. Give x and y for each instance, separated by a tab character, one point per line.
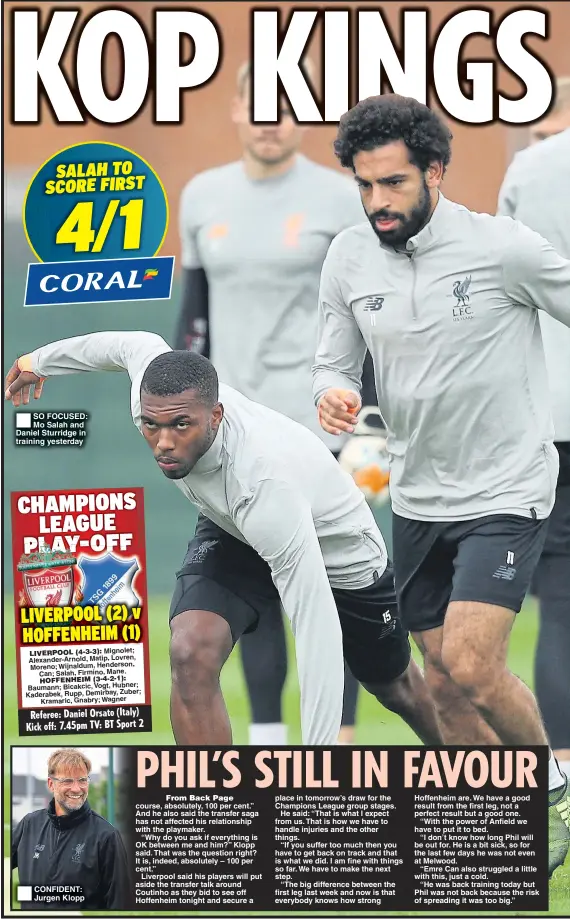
81	611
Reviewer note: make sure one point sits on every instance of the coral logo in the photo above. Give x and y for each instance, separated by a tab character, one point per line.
107	280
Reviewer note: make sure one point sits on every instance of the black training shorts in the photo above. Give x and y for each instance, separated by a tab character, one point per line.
225	576
487	560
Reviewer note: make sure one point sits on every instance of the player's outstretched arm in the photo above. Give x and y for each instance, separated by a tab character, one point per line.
115	351
278	523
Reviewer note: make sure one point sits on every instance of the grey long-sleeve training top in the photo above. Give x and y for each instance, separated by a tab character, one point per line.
273	484
452	325
262	243
536	191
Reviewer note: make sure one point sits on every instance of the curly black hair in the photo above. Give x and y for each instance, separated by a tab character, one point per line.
381	120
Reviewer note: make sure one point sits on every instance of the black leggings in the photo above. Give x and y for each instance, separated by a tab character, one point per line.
552	587
264	659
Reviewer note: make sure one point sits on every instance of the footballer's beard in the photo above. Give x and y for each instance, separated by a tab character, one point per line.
72	802
408	225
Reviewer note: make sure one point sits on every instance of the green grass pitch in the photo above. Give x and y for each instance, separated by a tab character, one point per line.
374	724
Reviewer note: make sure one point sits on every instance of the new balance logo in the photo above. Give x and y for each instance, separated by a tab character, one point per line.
505	573
388	624
372	305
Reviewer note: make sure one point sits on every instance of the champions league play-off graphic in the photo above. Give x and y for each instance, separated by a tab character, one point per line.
81	611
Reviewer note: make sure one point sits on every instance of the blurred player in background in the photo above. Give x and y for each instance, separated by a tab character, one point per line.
536	190
558	118
446	300
254	236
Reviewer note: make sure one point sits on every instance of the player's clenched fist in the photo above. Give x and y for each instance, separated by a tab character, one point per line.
19	379
338	409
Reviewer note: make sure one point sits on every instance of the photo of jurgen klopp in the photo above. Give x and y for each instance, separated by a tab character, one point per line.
74	855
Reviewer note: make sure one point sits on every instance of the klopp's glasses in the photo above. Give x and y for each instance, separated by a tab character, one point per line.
67	783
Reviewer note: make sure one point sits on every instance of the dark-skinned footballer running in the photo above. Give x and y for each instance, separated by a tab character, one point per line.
283	524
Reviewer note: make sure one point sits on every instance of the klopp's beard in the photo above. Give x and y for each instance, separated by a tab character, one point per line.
70	805
408	226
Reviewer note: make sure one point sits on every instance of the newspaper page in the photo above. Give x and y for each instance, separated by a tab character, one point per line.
286	459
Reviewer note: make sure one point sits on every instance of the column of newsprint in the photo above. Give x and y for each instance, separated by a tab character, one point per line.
340	829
